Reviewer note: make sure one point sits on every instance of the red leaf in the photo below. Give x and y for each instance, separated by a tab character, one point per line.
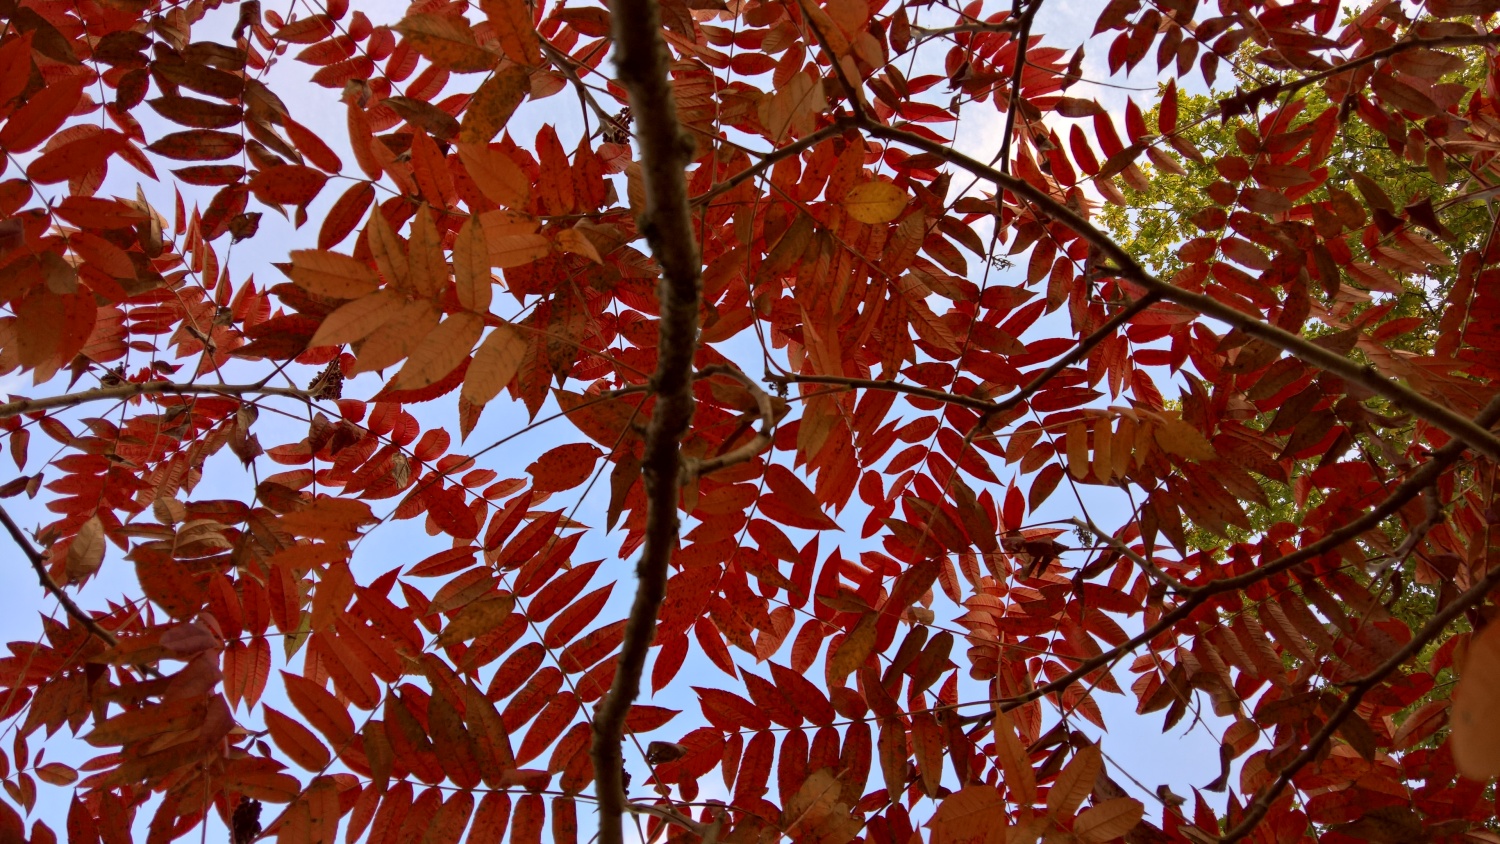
565	627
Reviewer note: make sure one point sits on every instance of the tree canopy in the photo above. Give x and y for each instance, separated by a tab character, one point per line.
733	421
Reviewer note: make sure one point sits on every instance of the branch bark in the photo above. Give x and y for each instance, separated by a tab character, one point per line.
1452	422
39	563
641	59
149	388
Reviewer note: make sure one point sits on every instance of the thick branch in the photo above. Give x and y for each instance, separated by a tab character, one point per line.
129	391
641	58
1450	421
1430	631
39	563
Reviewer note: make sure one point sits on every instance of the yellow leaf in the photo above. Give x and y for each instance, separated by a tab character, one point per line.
86	551
477	619
440	352
397	337
1475	739
356	320
496	175
492	105
1075	782
854	649
875	202
514	250
331	274
1108	820
574	241
390	258
429	272
1015	764
815	815
471	266
495	363
1178	437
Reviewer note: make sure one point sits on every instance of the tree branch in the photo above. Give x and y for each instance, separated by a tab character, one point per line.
1453	423
129	391
851	90
987	409
1404	492
1023	39
1265	92
39	563
641	59
760	442
1431	630
772	157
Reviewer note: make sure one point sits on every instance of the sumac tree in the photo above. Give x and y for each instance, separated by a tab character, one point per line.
782	552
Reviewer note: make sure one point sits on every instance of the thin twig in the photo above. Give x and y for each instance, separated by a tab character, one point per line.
851	90
772	157
1265	92
760	442
1404	492
1431	630
1120	547
39	563
987	409
1126	267
149	388
1023	38
641	59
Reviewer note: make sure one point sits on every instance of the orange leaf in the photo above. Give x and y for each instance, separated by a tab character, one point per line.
320	708
492	105
564	467
495	174
311	146
511	22
440	352
471	267
1108	820
974	814
446	41
1475	737
496	362
297	741
1011	756
289	184
331	274
42	115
